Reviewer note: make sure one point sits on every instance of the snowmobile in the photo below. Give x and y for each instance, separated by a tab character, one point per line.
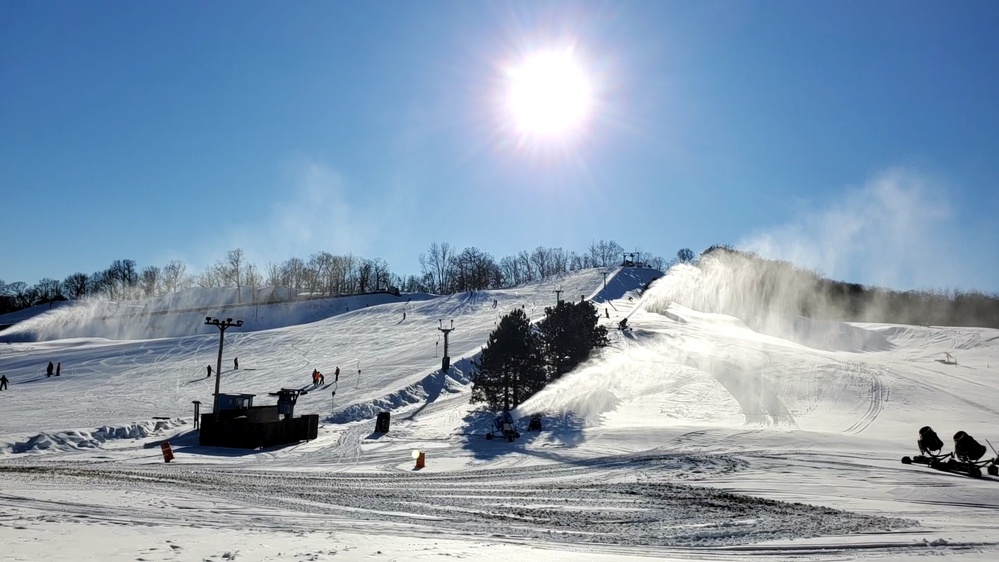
966	458
503	426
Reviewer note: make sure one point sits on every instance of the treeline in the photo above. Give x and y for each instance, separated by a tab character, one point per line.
779	286
443	270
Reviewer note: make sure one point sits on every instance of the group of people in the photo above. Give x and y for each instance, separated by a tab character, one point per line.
235	366
51	369
320	379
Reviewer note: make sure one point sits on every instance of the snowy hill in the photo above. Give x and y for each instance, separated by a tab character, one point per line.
692	435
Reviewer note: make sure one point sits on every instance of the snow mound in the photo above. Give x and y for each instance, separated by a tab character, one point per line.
426	390
70	440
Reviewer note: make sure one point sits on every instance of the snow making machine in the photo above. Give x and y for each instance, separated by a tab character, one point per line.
503	426
930	449
968	455
965	459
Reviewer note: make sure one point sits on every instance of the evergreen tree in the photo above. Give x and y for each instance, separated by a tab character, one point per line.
568	334
511	367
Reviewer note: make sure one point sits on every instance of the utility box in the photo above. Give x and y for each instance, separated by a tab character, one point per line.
382	422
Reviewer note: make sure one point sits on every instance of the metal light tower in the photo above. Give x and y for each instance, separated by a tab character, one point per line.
446	362
221	325
558	294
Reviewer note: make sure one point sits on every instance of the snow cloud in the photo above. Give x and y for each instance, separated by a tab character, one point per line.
895	231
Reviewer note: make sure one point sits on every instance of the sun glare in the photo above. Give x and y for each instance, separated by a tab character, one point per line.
550	94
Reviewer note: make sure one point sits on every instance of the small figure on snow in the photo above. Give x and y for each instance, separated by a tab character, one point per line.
235	363
58	368
322	379
209	372
623	324
403	314
48	370
315	377
3	382
336	375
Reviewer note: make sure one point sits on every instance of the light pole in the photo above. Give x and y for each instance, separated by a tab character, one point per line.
221	325
446	361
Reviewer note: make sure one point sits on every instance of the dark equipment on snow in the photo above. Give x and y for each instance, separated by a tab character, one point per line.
965	459
239	423
929	442
966	448
382	422
535	423
929	449
504	426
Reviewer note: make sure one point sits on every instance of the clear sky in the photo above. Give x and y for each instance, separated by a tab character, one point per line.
857	138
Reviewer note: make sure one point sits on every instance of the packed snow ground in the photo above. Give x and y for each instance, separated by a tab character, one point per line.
691	436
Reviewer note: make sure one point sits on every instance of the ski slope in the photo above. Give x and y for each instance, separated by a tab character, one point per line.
690	436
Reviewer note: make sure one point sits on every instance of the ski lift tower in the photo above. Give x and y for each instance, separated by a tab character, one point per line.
446	361
221	325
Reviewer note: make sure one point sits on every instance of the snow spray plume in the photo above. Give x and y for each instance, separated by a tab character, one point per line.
178	314
771	297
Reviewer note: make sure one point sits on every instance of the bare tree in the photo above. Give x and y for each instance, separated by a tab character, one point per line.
124	276
18	290
604	253
541	258
48	290
510	268
274	275
293	274
437	261
365	275
322	264
173	274
150	280
345	273
527	271
381	273
474	270
75	286
233	270
252	279
211	277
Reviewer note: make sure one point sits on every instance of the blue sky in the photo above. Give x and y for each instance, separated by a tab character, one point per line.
859	139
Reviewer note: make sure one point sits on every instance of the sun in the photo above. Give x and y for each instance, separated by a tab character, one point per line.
549	94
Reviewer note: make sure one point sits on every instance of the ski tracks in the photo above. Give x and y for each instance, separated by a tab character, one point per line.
877	394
